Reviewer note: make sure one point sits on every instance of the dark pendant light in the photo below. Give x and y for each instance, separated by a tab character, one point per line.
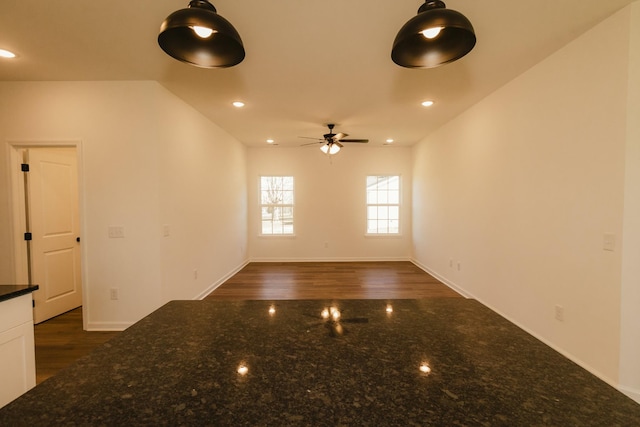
434	37
199	36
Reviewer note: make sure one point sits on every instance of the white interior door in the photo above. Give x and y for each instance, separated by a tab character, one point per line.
52	206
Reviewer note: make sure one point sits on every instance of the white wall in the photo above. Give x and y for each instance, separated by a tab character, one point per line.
134	174
521	189
330	203
203	202
630	331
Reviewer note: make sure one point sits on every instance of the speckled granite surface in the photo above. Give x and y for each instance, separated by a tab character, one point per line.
8	292
179	366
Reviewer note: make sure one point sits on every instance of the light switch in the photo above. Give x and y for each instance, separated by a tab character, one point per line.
116	232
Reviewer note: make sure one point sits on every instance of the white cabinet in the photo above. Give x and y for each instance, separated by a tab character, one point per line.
17	351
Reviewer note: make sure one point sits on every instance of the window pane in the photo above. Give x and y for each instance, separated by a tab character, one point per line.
383	197
372	212
383	212
394	212
287	183
266	213
394	183
287	228
276	198
383	204
372	197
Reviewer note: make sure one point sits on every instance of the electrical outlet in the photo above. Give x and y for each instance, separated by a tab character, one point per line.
559	313
113	293
195	274
166	230
450	262
609	242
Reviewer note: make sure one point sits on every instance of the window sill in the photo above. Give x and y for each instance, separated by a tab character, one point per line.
386	236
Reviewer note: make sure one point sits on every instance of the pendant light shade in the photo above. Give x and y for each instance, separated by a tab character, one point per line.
199	36
434	37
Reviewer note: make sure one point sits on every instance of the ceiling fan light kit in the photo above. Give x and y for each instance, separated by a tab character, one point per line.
434	37
199	36
331	142
331	148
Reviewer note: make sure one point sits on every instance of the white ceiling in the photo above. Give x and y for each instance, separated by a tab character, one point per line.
307	63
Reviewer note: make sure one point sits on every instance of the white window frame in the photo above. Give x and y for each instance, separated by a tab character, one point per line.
284	227
383	206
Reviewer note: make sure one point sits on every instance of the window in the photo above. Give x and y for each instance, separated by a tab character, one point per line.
383	204
276	202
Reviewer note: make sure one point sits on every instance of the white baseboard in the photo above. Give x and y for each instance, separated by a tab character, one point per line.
441	278
632	393
362	259
217	283
108	326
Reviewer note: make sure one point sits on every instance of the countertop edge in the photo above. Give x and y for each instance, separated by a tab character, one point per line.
8	292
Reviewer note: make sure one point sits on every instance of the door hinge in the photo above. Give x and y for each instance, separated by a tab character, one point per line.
24	167
33	303
27	236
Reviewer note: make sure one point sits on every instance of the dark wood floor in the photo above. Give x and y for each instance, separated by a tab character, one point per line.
326	280
61	340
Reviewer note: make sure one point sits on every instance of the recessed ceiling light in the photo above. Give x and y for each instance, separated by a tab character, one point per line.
238	104
427	103
389	141
6	54
270	141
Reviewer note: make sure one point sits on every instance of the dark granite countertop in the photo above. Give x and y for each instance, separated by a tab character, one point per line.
179	366
12	291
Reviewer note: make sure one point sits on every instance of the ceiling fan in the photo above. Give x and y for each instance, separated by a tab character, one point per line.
332	142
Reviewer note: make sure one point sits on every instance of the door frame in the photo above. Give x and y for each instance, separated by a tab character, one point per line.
17	198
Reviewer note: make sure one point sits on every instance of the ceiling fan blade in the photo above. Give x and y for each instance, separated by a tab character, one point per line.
312	143
339	136
354	140
310	137
338	144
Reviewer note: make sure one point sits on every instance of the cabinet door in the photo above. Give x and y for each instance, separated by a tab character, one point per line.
17	362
